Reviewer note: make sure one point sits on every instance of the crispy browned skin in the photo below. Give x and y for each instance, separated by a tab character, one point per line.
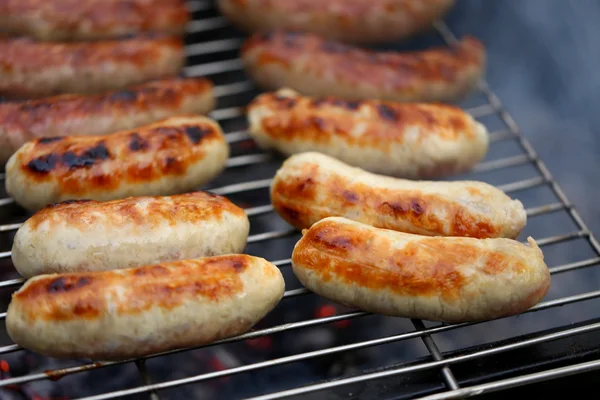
409	140
84	164
65	20
317	67
124	313
311	186
312	119
351	21
220	280
63	115
194	207
31	69
436	278
80	235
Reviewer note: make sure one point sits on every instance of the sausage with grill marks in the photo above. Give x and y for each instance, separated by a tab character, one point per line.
447	279
416	141
72	114
33	69
171	156
88	235
70	20
318	67
125	313
350	21
311	186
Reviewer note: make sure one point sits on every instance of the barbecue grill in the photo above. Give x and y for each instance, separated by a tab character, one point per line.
309	346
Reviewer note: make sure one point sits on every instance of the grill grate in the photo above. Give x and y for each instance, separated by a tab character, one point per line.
234	90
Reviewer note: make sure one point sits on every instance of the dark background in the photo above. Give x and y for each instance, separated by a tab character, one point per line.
542	63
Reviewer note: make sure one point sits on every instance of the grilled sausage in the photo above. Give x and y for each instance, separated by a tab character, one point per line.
416	141
87	235
350	21
125	313
32	69
70	114
318	67
66	20
171	156
447	279
311	186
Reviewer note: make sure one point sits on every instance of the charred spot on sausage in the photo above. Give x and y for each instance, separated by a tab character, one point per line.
335	241
319	123
124	95
350	196
289	38
196	133
285	102
387	112
335	47
416	207
238	265
290	212
347	104
137	143
50	139
43	164
34	107
396	207
65	284
67	202
266	35
89	157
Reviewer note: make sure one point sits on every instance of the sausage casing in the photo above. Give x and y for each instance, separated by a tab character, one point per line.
318	67
350	21
71	114
33	69
66	20
125	313
416	141
175	155
87	235
448	279
312	186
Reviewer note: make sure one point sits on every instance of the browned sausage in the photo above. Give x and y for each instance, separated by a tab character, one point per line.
414	141
448	279
119	314
173	155
314	66
350	21
31	69
71	114
67	20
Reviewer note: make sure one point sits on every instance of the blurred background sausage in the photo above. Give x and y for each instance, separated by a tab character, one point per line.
71	20
33	69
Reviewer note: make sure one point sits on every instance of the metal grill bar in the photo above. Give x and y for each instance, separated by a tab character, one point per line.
234	88
517	381
481	111
216	46
345	381
143	370
437	356
213	68
206	24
